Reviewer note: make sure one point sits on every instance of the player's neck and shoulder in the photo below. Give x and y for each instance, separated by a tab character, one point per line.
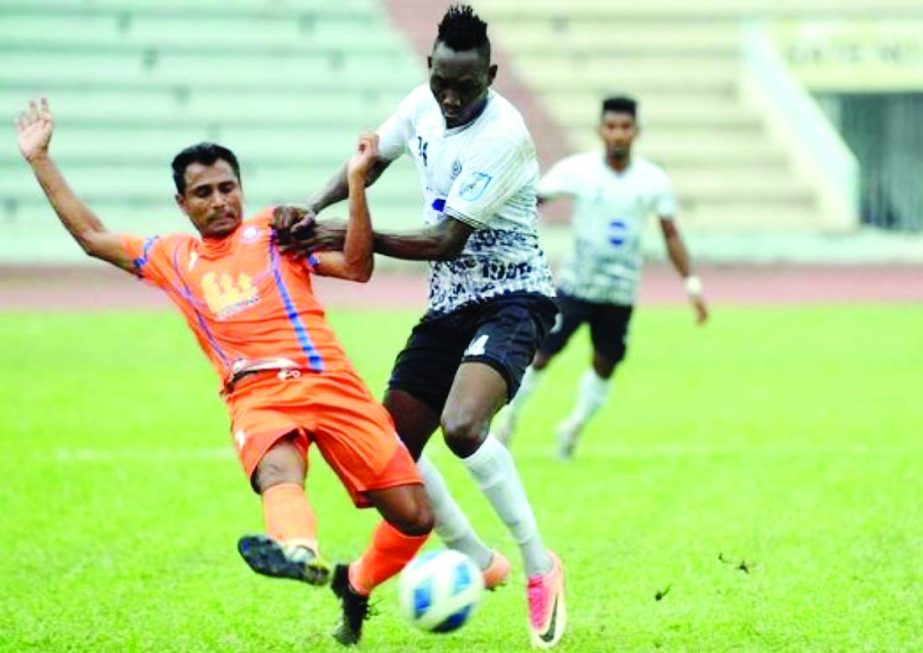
646	167
256	228
262	219
499	120
596	158
586	161
639	170
638	167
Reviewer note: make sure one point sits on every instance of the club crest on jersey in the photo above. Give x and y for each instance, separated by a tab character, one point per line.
474	186
456	169
226	296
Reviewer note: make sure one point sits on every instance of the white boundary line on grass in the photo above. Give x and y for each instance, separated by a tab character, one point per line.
682	449
521	452
171	454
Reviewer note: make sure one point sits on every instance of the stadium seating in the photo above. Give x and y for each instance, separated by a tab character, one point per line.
683	60
287	85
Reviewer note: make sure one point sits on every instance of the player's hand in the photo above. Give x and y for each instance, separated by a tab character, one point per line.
34	127
700	309
323	236
314	236
365	156
285	219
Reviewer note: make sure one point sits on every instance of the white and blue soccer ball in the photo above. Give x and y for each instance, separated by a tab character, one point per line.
439	590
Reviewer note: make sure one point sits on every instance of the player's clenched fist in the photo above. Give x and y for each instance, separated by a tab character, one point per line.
285	218
365	156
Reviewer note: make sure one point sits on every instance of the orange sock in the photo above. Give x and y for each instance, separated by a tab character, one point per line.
386	555
288	515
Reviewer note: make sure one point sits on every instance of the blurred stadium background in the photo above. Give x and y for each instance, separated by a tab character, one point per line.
765	471
792	129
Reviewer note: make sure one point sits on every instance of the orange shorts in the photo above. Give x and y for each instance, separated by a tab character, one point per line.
354	433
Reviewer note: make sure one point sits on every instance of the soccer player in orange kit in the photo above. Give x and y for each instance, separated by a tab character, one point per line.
284	376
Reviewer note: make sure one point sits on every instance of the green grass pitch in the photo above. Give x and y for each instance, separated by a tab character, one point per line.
762	476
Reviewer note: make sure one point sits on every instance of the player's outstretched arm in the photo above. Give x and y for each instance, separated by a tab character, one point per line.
681	260
356	261
35	127
298	221
441	242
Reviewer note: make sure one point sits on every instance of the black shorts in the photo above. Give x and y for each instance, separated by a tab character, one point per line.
504	333
608	326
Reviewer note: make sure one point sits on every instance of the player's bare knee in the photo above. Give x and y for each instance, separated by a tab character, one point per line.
282	464
417	523
412	515
463	434
272	473
604	366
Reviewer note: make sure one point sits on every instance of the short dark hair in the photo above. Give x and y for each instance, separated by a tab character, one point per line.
461	29
204	153
621	104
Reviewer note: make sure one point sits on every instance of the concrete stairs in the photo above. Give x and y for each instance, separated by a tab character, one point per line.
682	60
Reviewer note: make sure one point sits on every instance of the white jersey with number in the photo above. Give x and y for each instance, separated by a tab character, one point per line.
610	212
484	174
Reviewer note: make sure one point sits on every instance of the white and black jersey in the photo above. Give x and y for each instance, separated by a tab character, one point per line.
610	211
484	174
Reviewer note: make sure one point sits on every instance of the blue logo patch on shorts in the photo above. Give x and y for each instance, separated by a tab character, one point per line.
474	186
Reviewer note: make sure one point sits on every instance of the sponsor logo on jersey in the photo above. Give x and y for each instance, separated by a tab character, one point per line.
618	232
226	296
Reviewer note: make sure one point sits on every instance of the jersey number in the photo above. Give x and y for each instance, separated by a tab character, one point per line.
421	149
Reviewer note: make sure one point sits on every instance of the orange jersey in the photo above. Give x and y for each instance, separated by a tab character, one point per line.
243	300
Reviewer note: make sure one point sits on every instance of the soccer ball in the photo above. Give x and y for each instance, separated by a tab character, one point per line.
439	590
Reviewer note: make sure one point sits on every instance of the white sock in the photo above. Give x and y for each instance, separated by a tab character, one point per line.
590	397
493	469
452	525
